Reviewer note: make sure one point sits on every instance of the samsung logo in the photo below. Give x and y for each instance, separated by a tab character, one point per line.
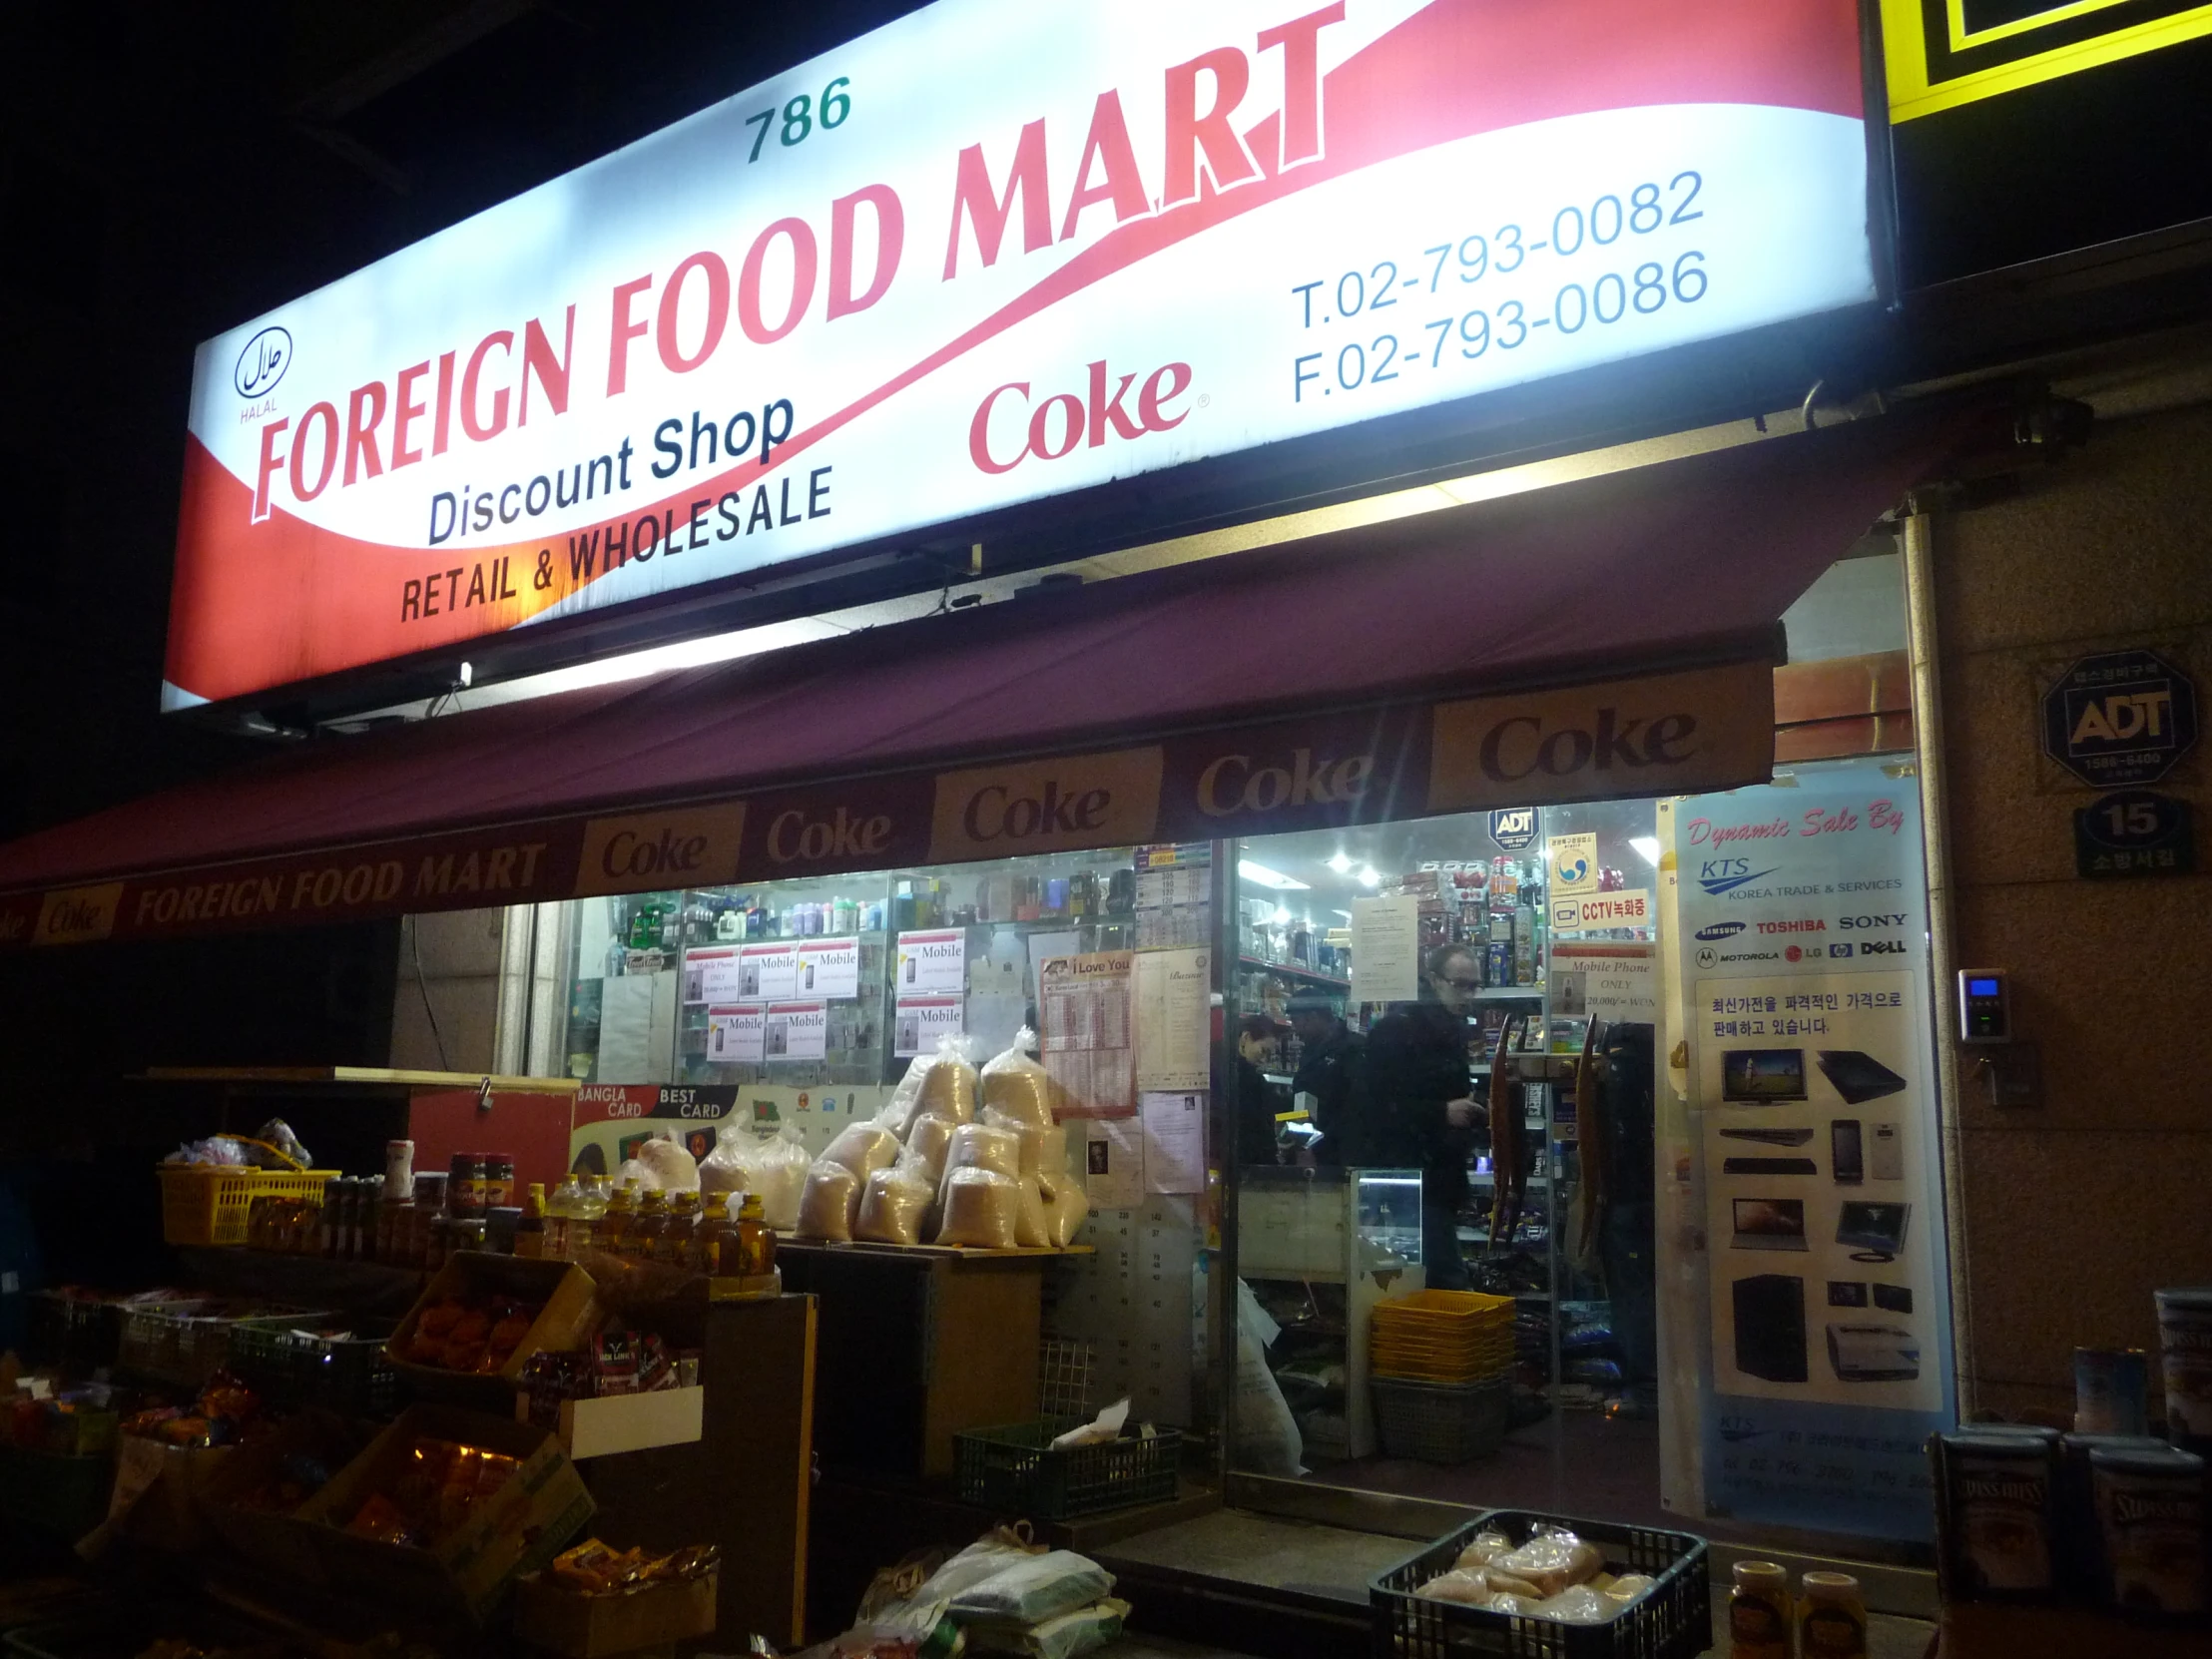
1721	930
262	363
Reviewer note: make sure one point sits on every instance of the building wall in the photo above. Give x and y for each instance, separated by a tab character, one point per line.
459	982
2075	1210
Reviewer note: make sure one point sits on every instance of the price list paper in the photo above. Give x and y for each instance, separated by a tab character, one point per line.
1086	1043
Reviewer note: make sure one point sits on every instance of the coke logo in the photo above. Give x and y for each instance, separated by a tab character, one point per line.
1062	421
1234	783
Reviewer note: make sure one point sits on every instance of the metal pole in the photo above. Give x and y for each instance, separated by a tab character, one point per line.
1927	743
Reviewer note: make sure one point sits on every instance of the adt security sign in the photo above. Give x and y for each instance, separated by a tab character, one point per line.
1513	828
2122	717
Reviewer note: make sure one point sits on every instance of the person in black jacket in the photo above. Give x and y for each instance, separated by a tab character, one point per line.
1255	1141
1331	1060
1421	1112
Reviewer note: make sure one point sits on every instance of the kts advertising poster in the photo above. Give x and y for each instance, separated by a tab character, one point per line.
990	253
1803	941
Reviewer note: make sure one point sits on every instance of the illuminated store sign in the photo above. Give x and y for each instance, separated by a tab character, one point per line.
991	253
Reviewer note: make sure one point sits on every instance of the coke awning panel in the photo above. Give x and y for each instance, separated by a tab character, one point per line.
1613	637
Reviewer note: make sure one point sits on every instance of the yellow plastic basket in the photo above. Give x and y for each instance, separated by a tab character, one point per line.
206	1203
1443	1337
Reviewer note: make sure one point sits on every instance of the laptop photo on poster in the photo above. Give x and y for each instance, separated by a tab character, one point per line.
1760	1076
1769	1224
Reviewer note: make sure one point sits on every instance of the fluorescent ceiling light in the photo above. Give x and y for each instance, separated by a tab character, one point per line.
1367	877
1261	875
1346	914
1281	915
1339	862
1647	846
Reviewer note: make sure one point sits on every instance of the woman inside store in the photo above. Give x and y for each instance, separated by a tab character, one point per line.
1257	1042
1421	1112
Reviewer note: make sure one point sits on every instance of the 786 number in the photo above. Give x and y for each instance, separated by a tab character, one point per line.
802	114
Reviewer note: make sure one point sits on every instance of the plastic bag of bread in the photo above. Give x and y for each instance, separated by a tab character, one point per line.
863	1148
724	1169
777	1167
981	1208
979	1146
1482	1549
1018	1087
895	1204
1550	1563
928	1141
1467	1587
830	1201
1630	1586
1579	1604
673	1169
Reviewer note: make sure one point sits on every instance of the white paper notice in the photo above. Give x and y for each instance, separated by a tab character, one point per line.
1619	981
1175	1142
918	1021
735	1036
796	1031
1386	950
768	972
1113	1164
829	968
1083	1002
711	975
933	963
1173	1028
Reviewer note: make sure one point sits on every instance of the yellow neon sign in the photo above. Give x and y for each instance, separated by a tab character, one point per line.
1971	64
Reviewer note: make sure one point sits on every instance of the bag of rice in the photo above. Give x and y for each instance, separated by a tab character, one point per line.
928	1141
894	1205
982	1209
827	1206
777	1167
1018	1086
863	1148
979	1146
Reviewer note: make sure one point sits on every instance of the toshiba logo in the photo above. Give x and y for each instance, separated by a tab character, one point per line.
688	846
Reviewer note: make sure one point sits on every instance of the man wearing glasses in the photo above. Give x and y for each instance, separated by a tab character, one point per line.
1423	1113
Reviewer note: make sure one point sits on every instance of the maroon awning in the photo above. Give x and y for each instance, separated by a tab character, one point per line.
1612	637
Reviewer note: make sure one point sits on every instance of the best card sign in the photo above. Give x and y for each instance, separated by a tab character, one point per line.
990	253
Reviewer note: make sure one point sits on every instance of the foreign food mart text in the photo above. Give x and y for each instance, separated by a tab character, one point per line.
1211	122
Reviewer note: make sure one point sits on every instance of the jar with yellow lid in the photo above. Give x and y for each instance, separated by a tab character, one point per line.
1831	1617
1759	1611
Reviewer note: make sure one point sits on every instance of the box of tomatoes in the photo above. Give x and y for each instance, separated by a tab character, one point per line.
481	1317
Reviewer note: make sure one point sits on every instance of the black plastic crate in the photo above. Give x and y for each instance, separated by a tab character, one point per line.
1440	1422
1013	1471
292	1364
76	1334
1674	1620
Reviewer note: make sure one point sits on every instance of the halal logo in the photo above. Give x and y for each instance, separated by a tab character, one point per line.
262	363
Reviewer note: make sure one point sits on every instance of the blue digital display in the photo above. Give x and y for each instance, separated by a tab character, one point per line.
1982	988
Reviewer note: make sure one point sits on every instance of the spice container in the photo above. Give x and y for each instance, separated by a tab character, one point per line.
464	1185
1759	1611
499	1181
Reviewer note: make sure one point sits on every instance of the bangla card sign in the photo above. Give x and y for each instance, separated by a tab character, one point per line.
991	253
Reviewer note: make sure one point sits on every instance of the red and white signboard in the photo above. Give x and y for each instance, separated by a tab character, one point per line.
827	968
989	252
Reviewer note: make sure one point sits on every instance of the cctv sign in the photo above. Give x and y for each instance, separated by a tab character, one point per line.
992	253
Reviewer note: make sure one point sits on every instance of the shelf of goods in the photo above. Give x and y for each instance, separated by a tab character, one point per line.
1291	970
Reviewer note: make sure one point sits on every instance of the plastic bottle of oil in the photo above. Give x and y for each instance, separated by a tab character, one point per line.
756	1239
531	1232
720	1249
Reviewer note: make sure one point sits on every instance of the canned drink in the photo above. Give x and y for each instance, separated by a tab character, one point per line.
398	1165
2111	1390
2185	1355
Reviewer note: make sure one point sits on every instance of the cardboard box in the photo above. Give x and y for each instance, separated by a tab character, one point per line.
278	1540
627	1423
586	1627
569	1312
518	1529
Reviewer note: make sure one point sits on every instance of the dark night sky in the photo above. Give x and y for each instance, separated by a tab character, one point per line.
170	170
